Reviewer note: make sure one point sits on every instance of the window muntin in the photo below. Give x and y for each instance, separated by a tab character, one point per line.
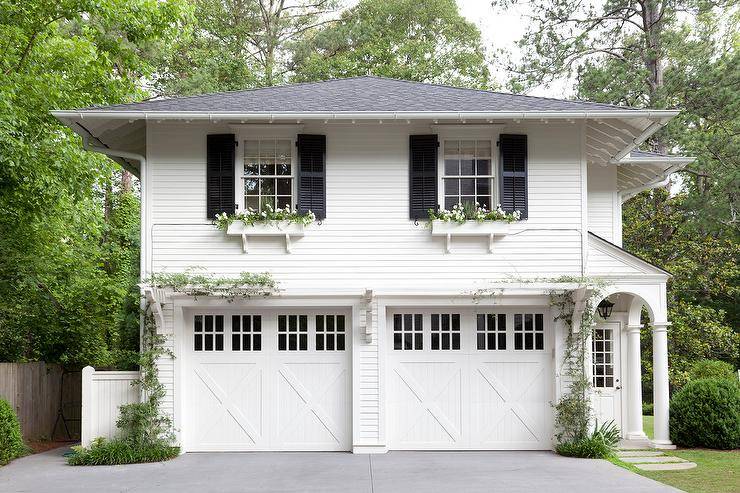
529	331
268	174
408	332
602	347
246	333
491	331
292	332
330	332
468	173
445	331
208	333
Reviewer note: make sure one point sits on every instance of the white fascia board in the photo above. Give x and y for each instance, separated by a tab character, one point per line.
670	160
394	115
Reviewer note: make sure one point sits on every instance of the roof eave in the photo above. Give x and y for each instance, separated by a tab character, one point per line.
362	115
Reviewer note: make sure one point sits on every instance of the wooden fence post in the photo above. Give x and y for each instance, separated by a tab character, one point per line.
88	406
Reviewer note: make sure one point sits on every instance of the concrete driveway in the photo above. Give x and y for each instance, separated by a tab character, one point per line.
329	472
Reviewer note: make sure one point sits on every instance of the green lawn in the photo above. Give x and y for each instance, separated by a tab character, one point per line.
717	471
647	426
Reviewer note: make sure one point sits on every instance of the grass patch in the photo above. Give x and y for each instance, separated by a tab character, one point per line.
647	426
114	452
717	471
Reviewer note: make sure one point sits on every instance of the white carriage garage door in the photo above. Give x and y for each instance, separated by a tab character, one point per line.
469	380
267	381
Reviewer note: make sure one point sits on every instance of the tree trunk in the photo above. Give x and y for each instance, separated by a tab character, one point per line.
653	57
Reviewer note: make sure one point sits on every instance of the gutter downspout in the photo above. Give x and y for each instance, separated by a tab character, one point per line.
144	247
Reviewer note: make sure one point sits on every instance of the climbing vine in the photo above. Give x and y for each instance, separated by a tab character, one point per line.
573	409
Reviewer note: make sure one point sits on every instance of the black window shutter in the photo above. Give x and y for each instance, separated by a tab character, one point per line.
220	174
422	175
312	174
513	188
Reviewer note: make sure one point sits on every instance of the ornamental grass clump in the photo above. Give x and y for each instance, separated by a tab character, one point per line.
469	212
11	440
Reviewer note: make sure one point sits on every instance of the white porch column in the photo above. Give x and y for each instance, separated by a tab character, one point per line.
634	387
660	383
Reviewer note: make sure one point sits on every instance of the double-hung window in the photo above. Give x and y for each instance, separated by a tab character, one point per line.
268	174
468	173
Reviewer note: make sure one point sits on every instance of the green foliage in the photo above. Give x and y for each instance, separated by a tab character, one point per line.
11	440
404	39
104	452
194	283
68	221
707	368
706	413
251	217
600	444
647	409
469	212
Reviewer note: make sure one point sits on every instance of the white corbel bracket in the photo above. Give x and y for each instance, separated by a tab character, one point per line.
369	316
153	298
284	229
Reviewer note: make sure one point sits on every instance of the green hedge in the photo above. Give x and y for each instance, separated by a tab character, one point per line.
112	452
11	440
711	368
706	413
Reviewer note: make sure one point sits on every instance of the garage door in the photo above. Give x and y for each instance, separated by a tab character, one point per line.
469	380
267	381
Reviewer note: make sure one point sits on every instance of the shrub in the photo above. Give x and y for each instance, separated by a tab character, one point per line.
711	368
11	440
119	451
706	413
647	408
601	444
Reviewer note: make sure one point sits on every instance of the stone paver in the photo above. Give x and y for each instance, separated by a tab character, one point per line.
639	453
394	472
671	466
654	460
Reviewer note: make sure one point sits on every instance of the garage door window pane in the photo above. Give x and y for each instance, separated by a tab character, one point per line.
330	332
529	332
445	331
292	332
491	331
246	333
408	332
208	333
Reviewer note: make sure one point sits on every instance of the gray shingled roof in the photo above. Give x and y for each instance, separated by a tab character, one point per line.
360	94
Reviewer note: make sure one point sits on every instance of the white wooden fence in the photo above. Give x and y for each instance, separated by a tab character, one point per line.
103	392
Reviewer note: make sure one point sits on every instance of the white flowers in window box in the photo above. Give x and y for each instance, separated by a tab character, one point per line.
464	220
286	223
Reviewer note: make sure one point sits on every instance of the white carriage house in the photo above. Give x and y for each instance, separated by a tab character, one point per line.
378	338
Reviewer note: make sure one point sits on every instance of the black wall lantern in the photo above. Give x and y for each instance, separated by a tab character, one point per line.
605	308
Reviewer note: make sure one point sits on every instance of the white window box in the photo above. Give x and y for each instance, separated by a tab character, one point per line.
489	229
284	229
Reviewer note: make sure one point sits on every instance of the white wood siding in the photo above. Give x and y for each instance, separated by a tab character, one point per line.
367	240
604	209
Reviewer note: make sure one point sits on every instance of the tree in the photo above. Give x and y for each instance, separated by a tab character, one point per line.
238	44
64	267
405	39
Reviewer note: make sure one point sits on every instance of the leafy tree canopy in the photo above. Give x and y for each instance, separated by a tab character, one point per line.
405	39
